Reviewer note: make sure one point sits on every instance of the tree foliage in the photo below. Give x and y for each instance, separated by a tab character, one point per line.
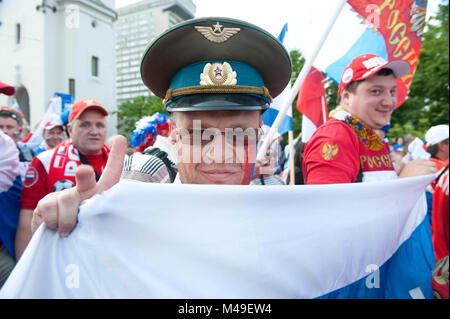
129	112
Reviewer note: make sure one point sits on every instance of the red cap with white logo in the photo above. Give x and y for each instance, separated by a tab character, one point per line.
51	124
367	65
82	105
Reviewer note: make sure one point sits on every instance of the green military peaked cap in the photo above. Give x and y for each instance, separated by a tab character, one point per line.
212	64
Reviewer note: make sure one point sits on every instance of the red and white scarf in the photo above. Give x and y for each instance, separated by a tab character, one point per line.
65	160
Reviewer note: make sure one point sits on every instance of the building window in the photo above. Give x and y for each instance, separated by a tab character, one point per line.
18	33
72	87
94	66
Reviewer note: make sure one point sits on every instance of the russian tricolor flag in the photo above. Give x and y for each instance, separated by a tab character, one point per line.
355	240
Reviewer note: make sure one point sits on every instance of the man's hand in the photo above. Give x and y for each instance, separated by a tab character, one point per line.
418	168
59	210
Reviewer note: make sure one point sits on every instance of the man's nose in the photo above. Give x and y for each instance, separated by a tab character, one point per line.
94	130
218	151
389	100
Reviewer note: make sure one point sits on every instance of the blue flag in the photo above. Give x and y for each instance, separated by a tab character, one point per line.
270	115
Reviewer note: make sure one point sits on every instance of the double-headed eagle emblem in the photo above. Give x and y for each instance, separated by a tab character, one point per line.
329	151
217	35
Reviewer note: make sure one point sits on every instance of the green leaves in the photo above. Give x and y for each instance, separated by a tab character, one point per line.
131	111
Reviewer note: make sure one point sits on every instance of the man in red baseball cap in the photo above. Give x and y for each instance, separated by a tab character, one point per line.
53	134
346	149
54	170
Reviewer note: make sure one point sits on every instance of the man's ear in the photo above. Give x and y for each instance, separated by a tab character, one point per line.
69	129
345	96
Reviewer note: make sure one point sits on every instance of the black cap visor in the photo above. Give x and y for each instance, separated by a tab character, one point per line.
217	102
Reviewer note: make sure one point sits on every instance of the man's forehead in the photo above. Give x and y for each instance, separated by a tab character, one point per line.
55	129
381	80
8	120
90	115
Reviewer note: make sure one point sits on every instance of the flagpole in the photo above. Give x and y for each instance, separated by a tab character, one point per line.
291	158
299	81
324	114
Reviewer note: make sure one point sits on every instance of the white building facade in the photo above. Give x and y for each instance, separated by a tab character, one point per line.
137	25
64	46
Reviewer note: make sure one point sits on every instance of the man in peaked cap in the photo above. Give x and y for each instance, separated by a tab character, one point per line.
226	77
216	76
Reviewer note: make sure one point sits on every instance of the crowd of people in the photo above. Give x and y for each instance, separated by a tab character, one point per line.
350	147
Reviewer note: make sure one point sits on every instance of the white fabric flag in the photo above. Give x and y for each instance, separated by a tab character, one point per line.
140	240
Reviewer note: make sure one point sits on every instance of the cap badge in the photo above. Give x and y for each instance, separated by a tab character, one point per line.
218	74
217	35
89	102
348	75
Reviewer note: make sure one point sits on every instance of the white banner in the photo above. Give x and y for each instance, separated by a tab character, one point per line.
142	240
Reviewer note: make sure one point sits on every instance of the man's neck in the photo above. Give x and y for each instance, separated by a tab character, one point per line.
91	154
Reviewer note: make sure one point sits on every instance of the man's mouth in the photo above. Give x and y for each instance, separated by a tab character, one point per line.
218	174
385	112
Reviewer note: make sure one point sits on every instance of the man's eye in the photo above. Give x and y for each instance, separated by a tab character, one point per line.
376	92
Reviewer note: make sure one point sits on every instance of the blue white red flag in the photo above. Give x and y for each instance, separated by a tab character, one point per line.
270	115
366	240
390	29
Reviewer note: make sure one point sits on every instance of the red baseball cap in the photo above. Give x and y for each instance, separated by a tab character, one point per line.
367	65
7	89
82	105
51	124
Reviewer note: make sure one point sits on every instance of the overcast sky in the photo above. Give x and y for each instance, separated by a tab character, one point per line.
270	15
